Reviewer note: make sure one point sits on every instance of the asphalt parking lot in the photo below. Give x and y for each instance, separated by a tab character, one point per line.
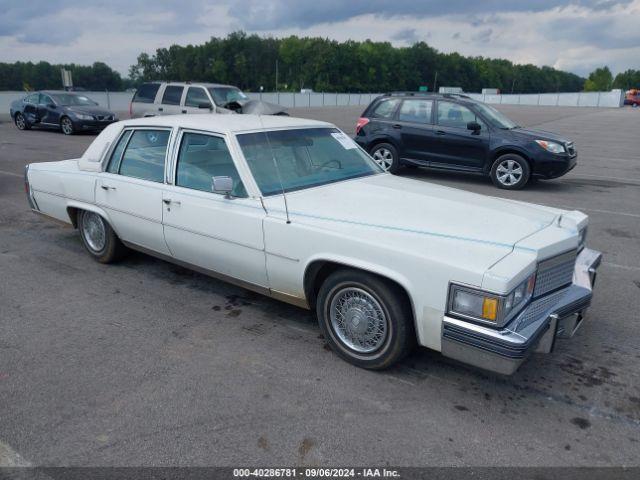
146	363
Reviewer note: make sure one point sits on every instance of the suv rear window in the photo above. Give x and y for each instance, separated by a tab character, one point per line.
172	95
146	93
386	108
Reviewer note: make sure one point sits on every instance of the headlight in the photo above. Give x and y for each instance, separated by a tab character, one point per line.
489	307
82	116
552	147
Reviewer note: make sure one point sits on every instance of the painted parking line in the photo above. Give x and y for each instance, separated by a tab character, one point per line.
11	174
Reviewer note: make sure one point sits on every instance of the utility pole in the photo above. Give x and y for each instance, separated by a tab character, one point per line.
513	84
276	74
435	82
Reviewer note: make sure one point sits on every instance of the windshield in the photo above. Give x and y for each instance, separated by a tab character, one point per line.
292	160
224	95
70	99
495	117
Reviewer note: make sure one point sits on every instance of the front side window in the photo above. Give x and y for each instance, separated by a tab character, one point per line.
73	99
225	95
202	157
386	108
172	95
195	97
416	111
302	158
144	155
454	115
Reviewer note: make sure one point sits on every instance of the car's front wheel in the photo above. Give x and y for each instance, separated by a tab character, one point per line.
21	122
386	155
510	172
66	125
365	319
99	238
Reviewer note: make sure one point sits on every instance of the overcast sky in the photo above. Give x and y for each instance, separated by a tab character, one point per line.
571	35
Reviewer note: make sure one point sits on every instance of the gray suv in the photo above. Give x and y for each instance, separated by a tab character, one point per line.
171	98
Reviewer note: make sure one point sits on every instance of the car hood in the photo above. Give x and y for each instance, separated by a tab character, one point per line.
431	220
538	134
88	110
258	107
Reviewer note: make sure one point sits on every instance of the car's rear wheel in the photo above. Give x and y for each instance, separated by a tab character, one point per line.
21	122
365	319
99	238
66	125
510	172
386	155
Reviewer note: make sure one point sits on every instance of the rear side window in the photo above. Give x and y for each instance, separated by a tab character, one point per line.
172	95
386	108
144	155
203	157
195	97
146	93
416	111
116	155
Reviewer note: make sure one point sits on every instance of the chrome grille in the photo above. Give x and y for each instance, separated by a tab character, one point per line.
536	309
571	149
554	273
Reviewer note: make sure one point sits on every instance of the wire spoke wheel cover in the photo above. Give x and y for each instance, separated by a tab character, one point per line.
358	320
94	231
509	172
383	157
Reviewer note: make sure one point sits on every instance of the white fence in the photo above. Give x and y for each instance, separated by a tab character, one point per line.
119	101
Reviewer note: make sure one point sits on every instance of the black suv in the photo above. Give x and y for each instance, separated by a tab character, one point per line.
455	132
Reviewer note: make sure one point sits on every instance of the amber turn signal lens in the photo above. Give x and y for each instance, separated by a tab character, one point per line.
490	309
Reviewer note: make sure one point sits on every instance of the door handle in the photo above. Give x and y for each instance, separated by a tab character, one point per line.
168	201
107	187
440	132
160	109
184	111
396	125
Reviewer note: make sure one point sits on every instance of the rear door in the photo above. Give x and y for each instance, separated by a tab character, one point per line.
130	190
414	122
30	108
170	100
222	234
457	146
195	98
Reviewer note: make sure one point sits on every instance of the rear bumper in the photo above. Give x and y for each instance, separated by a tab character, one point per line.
558	314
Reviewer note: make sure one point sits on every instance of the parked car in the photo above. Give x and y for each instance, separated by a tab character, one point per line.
293	209
69	112
170	98
632	97
454	132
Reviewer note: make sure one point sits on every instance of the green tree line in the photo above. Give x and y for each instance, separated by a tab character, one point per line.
43	75
249	61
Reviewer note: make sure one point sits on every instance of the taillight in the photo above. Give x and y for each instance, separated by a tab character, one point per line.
362	121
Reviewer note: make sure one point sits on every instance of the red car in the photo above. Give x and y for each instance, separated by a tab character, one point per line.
632	97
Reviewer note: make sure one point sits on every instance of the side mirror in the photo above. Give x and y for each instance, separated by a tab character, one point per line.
51	105
223	185
475	127
205	105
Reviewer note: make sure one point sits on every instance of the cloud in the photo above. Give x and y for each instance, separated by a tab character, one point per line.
570	34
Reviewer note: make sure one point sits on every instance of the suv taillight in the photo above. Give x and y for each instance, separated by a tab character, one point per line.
362	121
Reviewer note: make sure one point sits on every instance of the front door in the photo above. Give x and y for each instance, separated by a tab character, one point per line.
196	98
48	112
220	233
130	190
457	146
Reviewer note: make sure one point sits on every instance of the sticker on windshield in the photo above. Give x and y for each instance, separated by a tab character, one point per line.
345	141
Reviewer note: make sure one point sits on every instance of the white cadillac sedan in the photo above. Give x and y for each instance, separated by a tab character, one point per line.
294	209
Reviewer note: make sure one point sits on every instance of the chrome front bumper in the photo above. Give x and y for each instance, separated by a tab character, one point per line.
557	314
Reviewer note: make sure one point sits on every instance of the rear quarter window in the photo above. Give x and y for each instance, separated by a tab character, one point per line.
146	93
385	109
